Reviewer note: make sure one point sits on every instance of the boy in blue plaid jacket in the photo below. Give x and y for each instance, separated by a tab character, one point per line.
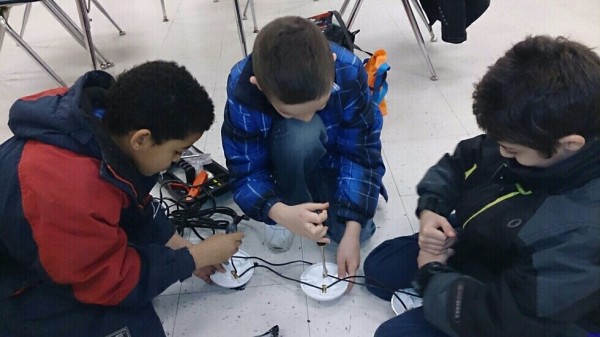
301	138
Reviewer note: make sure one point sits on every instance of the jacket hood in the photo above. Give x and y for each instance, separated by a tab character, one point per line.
63	117
71	119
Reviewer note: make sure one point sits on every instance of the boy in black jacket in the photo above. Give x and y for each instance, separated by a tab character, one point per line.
523	256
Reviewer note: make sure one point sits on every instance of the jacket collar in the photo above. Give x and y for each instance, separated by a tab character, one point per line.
569	174
249	95
116	166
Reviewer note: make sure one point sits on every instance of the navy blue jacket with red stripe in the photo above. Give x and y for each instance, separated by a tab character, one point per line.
75	214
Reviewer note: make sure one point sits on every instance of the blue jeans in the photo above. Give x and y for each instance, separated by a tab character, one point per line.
390	266
410	323
296	148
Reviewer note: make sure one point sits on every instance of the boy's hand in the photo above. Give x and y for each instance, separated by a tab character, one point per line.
348	253
425	257
302	220
205	272
435	234
216	249
177	242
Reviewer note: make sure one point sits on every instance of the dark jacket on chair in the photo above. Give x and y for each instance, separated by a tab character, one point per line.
455	16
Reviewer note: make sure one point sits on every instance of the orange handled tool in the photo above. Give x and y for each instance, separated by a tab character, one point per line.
194	191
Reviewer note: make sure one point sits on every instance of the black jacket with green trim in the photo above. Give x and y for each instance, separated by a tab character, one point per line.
528	257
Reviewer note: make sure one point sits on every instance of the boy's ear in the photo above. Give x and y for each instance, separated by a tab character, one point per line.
334	57
255	82
140	139
572	143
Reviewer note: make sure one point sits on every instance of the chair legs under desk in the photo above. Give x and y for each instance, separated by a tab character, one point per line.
83	37
251	3
5	27
417	5
164	10
419	37
413	24
105	13
95	2
240	27
238	21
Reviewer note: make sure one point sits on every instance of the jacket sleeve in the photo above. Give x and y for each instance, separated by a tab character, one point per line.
244	138
358	144
152	227
75	221
548	299
440	188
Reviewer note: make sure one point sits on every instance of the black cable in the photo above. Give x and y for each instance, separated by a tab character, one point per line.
379	284
192	213
273	332
271	263
189	213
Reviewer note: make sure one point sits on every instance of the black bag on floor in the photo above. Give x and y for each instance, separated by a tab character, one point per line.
334	28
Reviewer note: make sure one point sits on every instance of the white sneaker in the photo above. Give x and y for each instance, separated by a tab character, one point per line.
278	238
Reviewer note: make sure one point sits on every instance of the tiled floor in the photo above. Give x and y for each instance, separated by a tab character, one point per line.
426	119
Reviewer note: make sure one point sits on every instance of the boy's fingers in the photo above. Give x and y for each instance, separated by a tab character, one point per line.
436	238
312	206
448	229
322	216
341	270
324	240
219	267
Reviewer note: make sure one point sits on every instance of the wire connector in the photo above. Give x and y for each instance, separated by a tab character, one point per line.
324	288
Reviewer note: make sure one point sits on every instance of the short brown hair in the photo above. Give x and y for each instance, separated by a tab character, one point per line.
292	60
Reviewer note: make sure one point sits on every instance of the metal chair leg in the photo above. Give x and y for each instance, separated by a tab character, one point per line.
4	12
251	2
25	18
105	13
164	10
245	17
238	20
353	13
419	37
344	6
74	30
6	27
419	9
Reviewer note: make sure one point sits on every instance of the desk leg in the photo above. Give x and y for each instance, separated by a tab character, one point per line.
87	34
353	14
419	37
240	27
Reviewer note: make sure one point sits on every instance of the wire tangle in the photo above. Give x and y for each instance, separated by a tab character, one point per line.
186	212
377	284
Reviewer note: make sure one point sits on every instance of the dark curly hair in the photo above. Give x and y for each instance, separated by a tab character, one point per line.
541	90
162	97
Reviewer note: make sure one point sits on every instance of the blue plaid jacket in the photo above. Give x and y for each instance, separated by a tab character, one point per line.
353	123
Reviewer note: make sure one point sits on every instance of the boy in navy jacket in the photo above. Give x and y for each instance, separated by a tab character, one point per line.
83	247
